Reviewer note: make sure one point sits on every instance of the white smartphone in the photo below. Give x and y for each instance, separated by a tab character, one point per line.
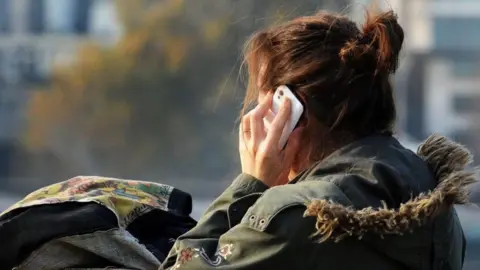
296	112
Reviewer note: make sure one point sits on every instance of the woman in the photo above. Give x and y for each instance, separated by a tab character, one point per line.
343	194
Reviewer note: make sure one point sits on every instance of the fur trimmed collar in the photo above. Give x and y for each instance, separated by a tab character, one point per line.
447	159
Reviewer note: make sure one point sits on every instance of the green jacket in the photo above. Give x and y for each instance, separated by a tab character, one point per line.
371	205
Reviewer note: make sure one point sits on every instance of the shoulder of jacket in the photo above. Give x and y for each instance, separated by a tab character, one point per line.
282	198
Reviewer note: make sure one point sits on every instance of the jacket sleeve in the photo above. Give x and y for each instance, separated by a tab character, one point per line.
227	210
267	236
242	247
223	214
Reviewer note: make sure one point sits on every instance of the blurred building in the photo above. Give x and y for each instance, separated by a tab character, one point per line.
34	36
438	81
452	85
442	82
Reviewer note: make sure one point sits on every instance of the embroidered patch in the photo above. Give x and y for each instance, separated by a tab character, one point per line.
225	251
186	255
220	256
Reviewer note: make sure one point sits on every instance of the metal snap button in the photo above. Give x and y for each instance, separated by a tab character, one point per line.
252	218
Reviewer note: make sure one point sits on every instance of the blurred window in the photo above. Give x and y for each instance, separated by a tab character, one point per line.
82	16
36	15
59	15
103	19
5	16
465	67
466	104
457	33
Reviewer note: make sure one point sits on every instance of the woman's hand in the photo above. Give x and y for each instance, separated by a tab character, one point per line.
260	154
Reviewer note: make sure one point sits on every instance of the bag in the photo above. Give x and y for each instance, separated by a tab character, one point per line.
94	222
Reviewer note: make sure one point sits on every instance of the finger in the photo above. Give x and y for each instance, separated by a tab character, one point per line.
278	124
256	121
263	107
268	119
244	133
245	128
257	131
240	133
243	145
293	146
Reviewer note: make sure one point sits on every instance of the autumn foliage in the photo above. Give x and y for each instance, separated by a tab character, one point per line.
160	104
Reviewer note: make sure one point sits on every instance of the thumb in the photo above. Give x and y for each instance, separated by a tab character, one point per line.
293	144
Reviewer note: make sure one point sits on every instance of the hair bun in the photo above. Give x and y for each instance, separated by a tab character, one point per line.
380	39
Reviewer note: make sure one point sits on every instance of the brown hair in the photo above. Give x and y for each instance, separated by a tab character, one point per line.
339	71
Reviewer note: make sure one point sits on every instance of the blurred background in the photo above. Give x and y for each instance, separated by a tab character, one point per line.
150	89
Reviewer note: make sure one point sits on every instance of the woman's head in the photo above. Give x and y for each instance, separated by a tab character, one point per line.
339	71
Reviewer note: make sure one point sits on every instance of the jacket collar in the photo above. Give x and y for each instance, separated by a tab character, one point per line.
448	161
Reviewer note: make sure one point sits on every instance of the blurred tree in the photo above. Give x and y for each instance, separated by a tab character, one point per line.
163	101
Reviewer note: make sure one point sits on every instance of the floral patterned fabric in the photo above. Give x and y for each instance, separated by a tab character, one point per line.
128	199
